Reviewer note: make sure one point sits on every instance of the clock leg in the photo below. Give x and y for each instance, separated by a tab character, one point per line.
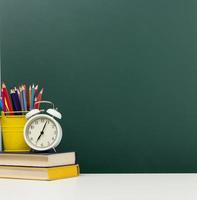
32	151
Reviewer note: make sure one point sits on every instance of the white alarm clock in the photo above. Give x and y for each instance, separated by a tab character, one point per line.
42	131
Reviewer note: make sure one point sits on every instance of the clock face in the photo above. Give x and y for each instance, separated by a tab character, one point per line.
41	133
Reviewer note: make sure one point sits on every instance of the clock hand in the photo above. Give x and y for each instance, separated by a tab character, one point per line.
44	127
39	136
42	132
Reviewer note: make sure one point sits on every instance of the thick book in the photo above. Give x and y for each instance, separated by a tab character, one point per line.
38	159
39	173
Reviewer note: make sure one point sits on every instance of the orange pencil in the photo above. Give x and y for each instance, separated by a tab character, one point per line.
6	106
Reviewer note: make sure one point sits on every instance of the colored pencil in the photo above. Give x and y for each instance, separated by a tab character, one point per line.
35	104
7	98
0	103
35	90
6	106
27	96
21	99
17	96
39	98
30	97
3	101
24	98
12	94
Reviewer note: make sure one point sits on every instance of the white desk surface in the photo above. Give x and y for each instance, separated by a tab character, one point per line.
104	187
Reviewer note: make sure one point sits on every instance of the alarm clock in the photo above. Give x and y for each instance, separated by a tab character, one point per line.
42	131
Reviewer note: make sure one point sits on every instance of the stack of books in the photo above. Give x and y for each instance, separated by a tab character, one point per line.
37	166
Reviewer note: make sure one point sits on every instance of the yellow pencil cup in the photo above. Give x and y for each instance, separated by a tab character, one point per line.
12	133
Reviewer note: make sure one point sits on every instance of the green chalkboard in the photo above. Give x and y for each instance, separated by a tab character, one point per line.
122	72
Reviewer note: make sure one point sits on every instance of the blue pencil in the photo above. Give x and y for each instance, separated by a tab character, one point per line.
17	100
12	93
24	98
1	104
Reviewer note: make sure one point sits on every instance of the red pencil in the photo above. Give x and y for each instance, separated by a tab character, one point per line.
7	98
39	98
35	105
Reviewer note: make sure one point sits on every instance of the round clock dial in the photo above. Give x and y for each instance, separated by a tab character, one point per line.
42	133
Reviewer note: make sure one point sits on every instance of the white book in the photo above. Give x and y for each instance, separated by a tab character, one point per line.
37	159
